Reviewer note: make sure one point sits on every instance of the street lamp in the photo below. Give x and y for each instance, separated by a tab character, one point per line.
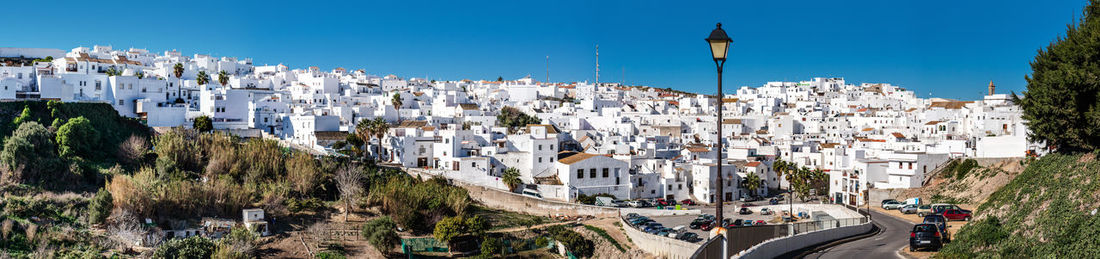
719	46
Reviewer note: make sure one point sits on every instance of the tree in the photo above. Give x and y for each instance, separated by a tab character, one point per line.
349	182
1062	103
397	101
751	182
202	78
23	116
448	228
203	124
381	234
177	70
100	206
133	149
803	179
511	178
379	127
77	137
139	74
223	77
364	130
355	142
195	247
514	118
477	225
500	79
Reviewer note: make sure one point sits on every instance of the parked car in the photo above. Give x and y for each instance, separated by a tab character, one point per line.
746	223
923	210
638	204
888	200
707	226
940	207
766	211
705	216
892	205
908	209
925	236
941	222
956	214
698	223
690	237
759	222
735	223
745	211
632	215
773	201
687	202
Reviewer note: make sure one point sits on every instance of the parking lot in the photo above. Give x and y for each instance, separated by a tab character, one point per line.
732	212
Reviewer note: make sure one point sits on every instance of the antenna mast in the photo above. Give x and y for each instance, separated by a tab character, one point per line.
597	65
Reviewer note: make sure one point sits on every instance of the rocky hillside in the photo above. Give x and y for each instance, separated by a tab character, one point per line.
1048	210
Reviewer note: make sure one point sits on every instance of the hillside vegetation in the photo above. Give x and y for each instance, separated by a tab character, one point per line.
1046	211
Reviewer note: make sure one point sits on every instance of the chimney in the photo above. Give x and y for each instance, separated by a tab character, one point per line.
991	87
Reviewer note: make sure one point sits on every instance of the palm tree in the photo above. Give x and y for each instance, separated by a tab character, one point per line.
780	166
364	130
751	182
178	70
223	77
202	78
379	127
511	178
397	101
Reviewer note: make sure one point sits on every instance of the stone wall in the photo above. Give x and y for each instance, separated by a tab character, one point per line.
659	246
504	200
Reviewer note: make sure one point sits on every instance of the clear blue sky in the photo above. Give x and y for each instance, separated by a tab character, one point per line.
946	48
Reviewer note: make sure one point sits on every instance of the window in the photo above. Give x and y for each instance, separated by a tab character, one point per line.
119	102
592	173
899	165
605	175
580	173
910	165
551	146
540	147
540	160
669	187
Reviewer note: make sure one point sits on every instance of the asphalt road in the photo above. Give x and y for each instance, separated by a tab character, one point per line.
886	244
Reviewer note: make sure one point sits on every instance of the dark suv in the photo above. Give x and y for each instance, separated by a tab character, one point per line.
941	225
925	236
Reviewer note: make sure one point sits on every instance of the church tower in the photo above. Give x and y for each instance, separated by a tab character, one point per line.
991	87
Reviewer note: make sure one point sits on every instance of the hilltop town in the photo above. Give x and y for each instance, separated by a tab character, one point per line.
567	140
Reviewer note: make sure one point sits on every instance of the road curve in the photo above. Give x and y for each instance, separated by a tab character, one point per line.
893	237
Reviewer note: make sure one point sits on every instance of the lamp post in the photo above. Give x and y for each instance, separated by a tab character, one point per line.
719	45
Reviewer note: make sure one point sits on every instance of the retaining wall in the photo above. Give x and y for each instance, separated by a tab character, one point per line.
778	246
657	212
659	246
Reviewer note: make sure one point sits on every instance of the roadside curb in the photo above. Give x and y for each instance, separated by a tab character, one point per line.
875	230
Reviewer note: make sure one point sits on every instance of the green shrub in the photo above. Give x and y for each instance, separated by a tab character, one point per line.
380	232
308	204
100	206
964	168
491	247
329	255
194	247
77	137
572	240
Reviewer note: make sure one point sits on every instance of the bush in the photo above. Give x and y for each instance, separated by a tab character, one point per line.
203	124
329	255
298	205
542	242
100	206
573	241
29	154
77	137
194	247
381	234
491	247
964	168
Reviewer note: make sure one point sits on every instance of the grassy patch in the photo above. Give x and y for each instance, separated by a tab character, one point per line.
502	219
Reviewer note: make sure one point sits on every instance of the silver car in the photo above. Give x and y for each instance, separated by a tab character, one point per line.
892	205
909	209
